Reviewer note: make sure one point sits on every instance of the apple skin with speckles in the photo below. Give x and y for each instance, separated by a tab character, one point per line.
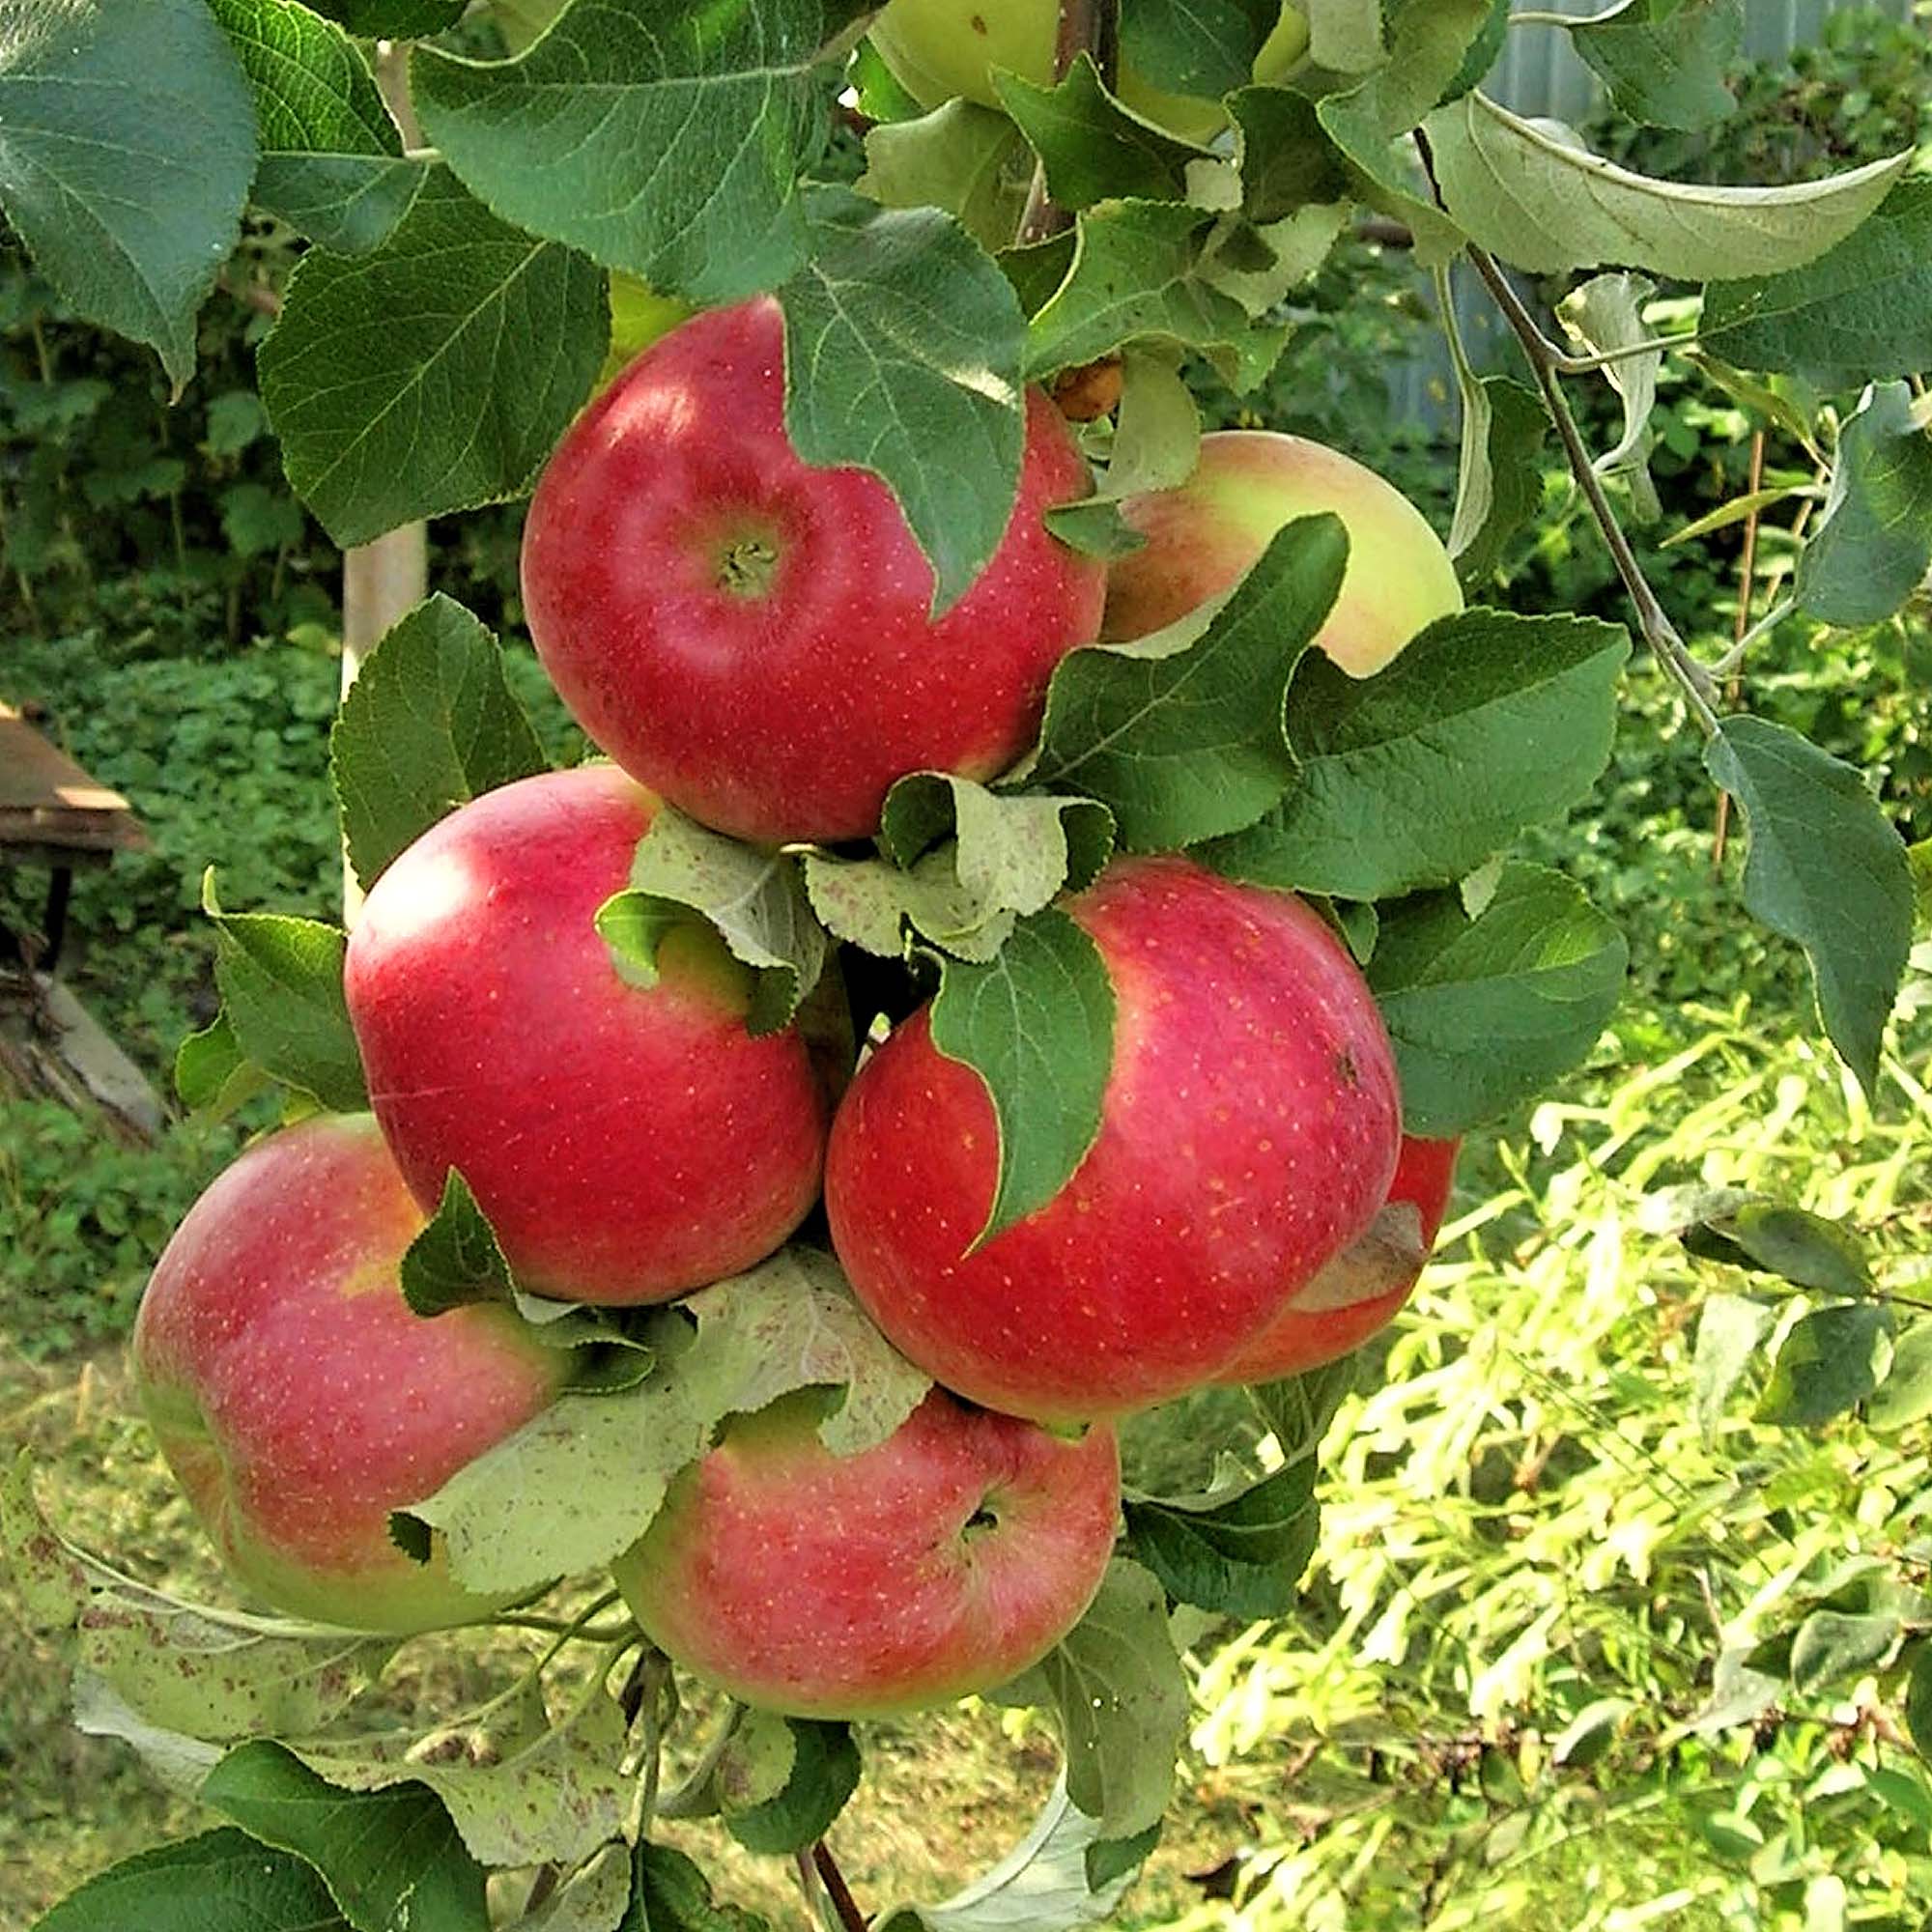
1325	1319
299	1399
1202	537
628	1143
943	1561
752	636
1248	1134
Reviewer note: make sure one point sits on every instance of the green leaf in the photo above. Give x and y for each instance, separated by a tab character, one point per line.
1183	49
669	1894
392	19
912	340
579	1484
1036	1025
1499	488
1601	316
1862	312
433	373
668	143
1825	870
824	1774
1527	192
1257	266
129	141
594	1898
1665	66
455	1260
281	988
1239	1551
1730	1331
1016	851
429	723
1137	274
1829	1647
1345	36
1287	159
518	1788
1905	1396
1918	1701
1093	148
1487	1013
1873	543
1799	1247
222	1881
391	1859
875	905
332	163
1299	1409
213	1076
754	898
968	160
1118	1688
1831	1361
1095	527
1485	725
1430	46
1042	1885
1190	743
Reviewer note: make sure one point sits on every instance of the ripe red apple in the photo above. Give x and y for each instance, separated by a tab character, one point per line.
297	1396
938	49
1358	1293
752	636
1247	1135
946	1560
628	1143
1203	537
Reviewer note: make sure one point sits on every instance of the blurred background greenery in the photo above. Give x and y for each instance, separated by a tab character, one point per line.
1558	1564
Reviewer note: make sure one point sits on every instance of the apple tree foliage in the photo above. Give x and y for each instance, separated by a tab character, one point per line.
452	313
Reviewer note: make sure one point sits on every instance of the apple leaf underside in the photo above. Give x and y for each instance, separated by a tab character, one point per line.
221	1881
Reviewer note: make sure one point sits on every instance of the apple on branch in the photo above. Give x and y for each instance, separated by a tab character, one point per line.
298	1398
1204	537
628	1143
752	636
1248	1134
945	1560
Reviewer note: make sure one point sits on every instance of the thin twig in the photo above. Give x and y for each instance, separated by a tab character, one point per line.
1747	586
843	1901
1659	632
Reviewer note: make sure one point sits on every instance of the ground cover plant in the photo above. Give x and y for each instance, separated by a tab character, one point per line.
1171	942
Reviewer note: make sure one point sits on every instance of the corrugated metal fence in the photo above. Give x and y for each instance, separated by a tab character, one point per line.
1539	73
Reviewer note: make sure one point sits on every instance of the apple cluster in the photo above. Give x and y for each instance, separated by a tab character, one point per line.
751	640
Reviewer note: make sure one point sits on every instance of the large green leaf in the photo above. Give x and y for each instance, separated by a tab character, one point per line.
1185	744
665	140
333	163
222	1881
433	373
1528	193
1499	483
1093	147
392	1860
1485	725
1862	312
429	723
903	346
968	160
1832	1360
1485	1011
1826	868
1036	1025
1239	1550
823	1774
1665	65
1184	48
1873	543
126	143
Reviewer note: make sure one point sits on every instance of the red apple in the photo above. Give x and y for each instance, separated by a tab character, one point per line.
1203	537
1247	1135
946	1560
752	636
628	1143
1358	1293
296	1398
